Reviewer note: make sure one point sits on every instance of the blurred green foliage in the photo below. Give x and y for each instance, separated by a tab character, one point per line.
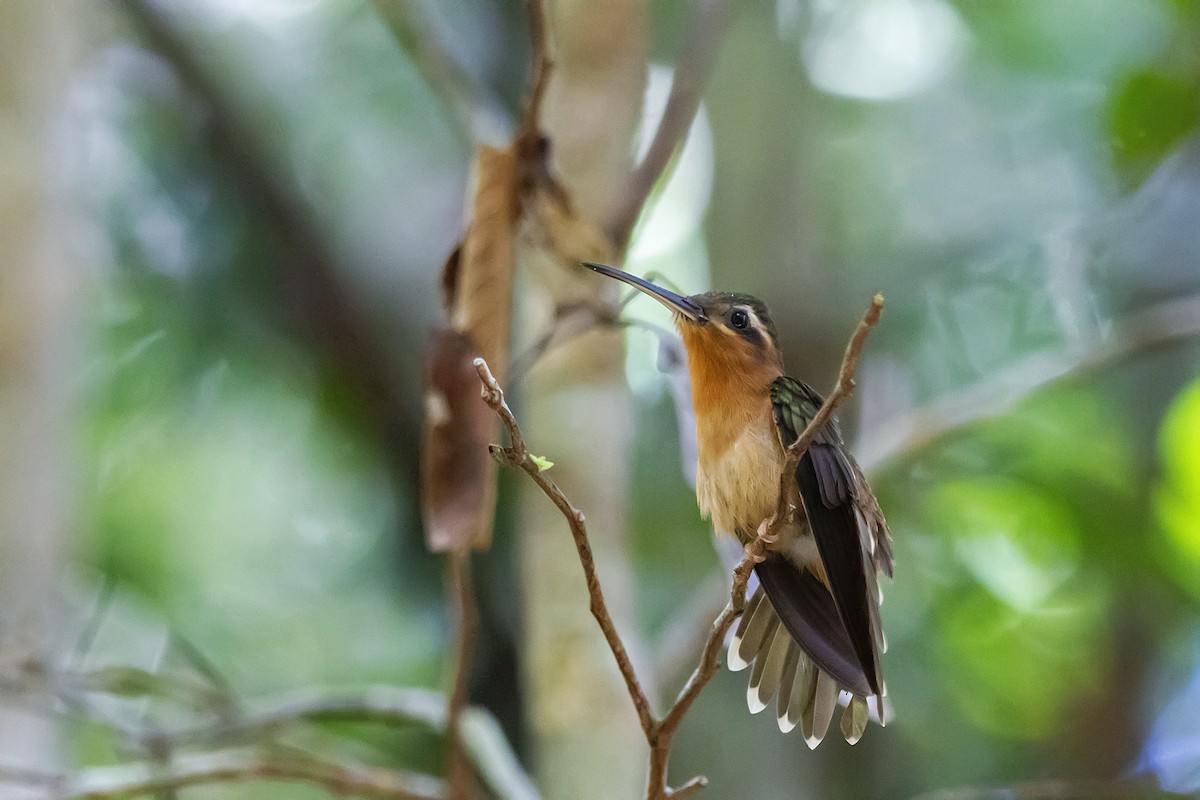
1047	563
1178	497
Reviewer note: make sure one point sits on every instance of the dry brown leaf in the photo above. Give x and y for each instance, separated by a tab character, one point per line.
458	477
457	474
483	283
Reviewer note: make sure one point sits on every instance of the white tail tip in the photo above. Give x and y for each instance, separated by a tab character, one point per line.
734	659
754	701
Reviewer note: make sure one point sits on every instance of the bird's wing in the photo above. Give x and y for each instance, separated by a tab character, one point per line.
806	687
837	507
807	610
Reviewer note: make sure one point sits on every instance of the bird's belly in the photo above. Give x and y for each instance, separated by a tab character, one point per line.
739	487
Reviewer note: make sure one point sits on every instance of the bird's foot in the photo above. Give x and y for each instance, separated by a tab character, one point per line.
757	547
765	535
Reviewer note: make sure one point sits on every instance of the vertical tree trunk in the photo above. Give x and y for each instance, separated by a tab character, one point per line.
578	411
36	351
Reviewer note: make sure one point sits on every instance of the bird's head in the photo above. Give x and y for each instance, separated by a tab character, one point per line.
730	333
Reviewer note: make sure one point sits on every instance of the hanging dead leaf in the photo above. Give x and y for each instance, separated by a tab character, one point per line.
458	477
484	273
457	474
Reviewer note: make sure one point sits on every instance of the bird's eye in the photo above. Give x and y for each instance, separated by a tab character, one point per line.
739	319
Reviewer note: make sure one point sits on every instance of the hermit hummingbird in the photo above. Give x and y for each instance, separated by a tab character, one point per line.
811	628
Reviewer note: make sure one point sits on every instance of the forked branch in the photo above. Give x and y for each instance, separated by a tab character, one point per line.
517	455
660	733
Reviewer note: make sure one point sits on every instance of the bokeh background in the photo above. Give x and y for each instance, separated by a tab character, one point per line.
225	223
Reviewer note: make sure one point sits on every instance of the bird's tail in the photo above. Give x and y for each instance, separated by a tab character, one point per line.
806	695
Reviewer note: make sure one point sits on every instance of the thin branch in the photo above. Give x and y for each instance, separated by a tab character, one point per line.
517	455
756	549
660	734
484	742
386	705
571	320
494	759
661	742
530	143
477	114
893	441
87	634
688	788
466	624
697	55
236	766
845	385
217	689
541	67
712	649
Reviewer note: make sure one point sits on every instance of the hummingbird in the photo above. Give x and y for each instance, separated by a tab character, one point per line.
811	628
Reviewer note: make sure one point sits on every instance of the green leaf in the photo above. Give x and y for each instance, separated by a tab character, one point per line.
1149	116
1177	499
541	462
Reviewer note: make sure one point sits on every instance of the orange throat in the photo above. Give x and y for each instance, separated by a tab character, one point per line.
731	382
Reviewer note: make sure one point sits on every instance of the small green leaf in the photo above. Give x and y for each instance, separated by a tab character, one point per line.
541	462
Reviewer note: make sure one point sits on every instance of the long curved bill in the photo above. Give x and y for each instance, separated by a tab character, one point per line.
676	303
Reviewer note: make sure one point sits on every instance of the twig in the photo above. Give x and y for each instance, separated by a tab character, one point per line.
689	787
494	759
571	320
712	650
131	780
466	624
476	112
767	533
660	734
517	455
530	143
87	635
698	53
385	705
541	67
660	743
845	385
218	690
893	441
484	742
